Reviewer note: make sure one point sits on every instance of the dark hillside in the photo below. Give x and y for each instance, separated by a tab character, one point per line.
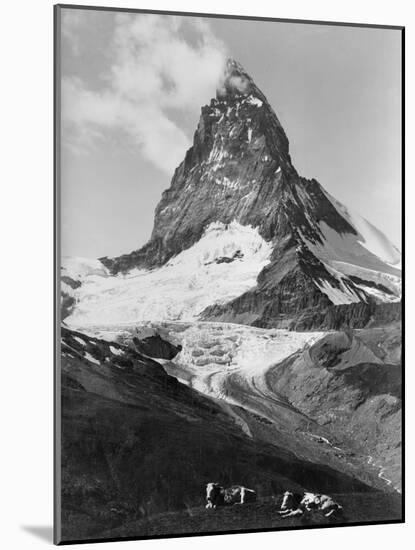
136	443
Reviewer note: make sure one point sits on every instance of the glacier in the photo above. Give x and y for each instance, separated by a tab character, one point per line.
221	266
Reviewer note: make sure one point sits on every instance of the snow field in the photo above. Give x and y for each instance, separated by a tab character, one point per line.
180	290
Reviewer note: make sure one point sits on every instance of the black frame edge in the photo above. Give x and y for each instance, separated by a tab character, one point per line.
230	16
403	247
56	276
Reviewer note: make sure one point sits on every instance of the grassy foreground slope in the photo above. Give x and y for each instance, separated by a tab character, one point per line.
357	508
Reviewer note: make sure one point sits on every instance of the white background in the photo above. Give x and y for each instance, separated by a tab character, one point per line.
26	270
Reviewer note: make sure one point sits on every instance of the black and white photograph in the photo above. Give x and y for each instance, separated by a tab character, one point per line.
228	274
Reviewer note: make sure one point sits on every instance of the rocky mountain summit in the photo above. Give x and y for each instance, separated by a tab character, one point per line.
239	170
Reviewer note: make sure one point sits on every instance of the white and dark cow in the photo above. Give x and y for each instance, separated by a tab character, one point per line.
216	495
295	504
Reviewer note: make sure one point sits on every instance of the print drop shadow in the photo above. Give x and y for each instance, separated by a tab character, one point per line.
43	532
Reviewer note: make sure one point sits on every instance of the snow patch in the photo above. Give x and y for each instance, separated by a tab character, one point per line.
391	282
346	295
254	101
336	295
78	268
226	182
67	289
342	294
377	294
91	358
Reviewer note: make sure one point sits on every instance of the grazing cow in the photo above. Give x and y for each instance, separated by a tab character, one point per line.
294	504
216	495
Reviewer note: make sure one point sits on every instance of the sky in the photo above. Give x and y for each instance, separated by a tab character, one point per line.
133	86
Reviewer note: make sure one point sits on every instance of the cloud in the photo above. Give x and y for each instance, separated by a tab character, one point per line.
241	83
160	65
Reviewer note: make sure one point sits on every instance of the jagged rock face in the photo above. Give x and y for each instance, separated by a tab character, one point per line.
239	169
156	347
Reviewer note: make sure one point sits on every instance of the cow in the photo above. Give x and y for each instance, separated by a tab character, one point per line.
295	504
216	495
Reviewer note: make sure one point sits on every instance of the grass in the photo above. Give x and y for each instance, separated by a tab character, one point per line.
359	507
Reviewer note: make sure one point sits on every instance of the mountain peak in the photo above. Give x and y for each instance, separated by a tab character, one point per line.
236	82
239	170
233	64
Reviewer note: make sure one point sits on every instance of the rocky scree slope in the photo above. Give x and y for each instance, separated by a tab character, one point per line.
350	383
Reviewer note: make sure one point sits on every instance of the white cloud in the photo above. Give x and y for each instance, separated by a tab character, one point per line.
154	71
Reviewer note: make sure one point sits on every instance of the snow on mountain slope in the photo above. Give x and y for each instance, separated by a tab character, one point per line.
74	270
369	236
78	268
383	287
367	259
392	282
338	295
222	265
